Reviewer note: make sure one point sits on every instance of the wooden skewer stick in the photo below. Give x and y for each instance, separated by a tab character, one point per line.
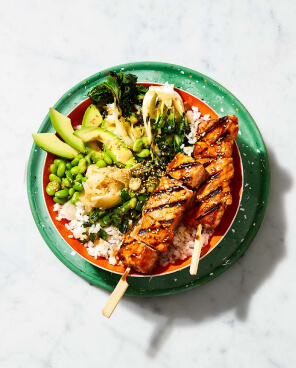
196	251
116	295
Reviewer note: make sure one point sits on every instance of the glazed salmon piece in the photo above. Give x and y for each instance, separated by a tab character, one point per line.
215	189
221	169
205	149
208	214
213	197
168	203
218	130
137	255
185	168
153	233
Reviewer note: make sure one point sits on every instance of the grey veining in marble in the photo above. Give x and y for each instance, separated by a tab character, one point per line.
49	317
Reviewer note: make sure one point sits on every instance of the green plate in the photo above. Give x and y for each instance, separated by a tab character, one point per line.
253	202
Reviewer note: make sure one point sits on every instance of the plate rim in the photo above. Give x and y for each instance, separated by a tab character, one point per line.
251	233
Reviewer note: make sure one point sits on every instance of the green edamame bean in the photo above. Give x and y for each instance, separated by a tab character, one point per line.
62	193
53	177
57	161
138	145
84	179
67	182
144	153
68	166
145	142
101	163
60	200
128	166
107	158
79	177
52	187
75	160
78	186
75	197
69	175
74	170
61	169
82	166
88	161
95	156
71	192
53	169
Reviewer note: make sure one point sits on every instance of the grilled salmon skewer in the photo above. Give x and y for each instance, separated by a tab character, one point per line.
162	215
213	149
193	174
167	205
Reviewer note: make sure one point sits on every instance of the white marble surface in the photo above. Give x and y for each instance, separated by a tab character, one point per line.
52	318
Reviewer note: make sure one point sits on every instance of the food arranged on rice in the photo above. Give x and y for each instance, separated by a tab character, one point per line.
140	174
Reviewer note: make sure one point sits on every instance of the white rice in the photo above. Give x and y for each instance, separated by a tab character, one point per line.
102	248
182	245
184	237
194	117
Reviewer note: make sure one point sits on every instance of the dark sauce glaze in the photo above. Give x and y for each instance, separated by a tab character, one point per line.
212	194
218	122
214	175
223	136
169	190
210	210
185	165
166	205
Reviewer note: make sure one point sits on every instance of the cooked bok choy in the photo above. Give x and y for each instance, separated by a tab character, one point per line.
122	91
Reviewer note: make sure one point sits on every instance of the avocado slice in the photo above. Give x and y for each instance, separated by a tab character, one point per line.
51	143
63	126
92	117
114	146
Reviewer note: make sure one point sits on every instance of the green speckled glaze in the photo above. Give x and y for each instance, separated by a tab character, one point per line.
253	202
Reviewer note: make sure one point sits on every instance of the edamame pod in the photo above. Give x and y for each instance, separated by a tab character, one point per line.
75	161
60	200
74	170
57	161
75	197
95	156
82	166
78	186
107	158
138	145
88	161
145	142
61	169
52	187
67	182
144	153
53	169
79	177
53	177
62	193
101	163
71	192
68	166
69	175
